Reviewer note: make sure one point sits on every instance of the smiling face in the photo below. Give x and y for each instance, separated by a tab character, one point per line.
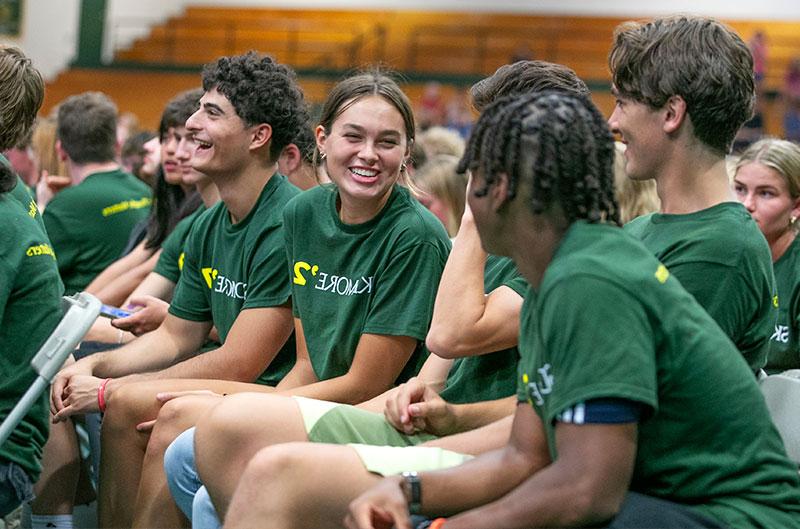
222	137
639	128
185	156
364	151
174	169
152	156
765	194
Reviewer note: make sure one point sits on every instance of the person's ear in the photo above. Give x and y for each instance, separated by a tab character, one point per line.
498	191
319	134
674	114
290	159
62	154
261	135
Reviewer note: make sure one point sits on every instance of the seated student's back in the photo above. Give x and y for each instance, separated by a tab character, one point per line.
89	222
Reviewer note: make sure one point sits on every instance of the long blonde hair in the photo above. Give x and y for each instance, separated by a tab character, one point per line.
635	197
438	177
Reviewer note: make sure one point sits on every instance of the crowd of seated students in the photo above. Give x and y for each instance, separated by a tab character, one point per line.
309	348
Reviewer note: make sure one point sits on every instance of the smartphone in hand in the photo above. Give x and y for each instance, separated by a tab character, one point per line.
114	312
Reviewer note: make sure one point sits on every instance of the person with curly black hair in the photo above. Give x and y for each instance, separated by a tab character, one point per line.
683	87
612	404
234	278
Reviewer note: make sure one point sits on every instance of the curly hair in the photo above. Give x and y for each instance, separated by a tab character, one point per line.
178	110
699	59
261	91
559	144
524	77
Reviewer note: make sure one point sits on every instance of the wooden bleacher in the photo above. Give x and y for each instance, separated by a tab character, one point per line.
321	44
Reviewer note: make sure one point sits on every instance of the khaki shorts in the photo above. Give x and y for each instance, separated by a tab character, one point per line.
382	449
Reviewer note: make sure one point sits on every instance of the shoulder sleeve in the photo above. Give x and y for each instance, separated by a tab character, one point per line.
405	291
599	342
192	299
170	263
741	302
288	246
61	240
268	282
7	277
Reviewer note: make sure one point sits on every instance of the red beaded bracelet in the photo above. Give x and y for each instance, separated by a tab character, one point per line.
101	396
437	523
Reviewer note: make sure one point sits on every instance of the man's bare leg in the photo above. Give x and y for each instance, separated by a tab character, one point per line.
234	431
123	447
55	490
298	485
154	505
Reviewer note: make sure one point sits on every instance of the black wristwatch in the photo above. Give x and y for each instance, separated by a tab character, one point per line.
413	491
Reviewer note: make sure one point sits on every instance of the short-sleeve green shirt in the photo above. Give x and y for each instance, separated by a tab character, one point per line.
720	257
379	277
22	193
493	375
784	352
609	321
170	262
228	268
30	308
89	224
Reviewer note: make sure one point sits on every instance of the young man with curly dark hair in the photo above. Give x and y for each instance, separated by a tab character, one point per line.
234	278
684	86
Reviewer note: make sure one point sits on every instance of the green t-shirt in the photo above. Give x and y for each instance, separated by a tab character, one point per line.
379	277
720	257
228	268
30	308
89	224
170	262
609	321
22	193
784	352
488	376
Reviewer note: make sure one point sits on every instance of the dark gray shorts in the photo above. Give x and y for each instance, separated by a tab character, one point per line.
16	487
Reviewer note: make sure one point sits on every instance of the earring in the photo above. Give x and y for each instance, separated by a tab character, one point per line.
792	220
403	167
322	155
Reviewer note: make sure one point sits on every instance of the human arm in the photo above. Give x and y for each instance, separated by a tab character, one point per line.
417	407
118	290
302	373
474	483
75	387
434	373
377	362
149	314
154	285
118	268
467	321
48	186
252	343
584	486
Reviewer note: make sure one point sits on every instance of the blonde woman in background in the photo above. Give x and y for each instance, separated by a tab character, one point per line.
443	190
767	182
54	174
635	197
